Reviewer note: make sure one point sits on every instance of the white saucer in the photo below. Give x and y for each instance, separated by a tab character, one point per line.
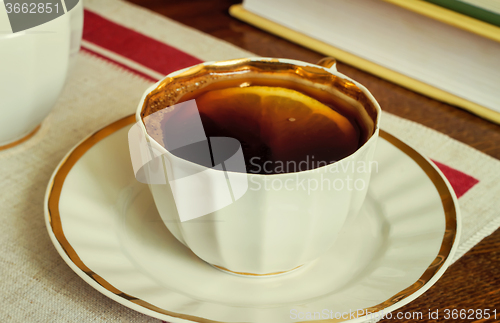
104	224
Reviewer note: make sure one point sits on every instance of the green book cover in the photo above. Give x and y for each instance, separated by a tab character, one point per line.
479	9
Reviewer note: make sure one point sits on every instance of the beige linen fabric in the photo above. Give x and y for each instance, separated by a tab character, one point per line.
36	284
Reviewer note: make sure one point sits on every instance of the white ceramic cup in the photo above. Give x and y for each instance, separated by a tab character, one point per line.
34	64
265	231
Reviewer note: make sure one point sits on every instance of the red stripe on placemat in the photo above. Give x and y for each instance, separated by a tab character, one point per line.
138	47
149	78
460	182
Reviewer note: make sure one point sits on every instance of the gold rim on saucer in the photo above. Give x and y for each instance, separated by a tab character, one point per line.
256	275
56	186
23	139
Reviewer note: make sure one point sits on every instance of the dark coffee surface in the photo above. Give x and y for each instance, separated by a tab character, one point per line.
278	134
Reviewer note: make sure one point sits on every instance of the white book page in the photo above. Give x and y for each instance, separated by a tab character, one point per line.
443	56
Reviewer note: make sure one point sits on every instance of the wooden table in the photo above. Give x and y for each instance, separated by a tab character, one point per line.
473	282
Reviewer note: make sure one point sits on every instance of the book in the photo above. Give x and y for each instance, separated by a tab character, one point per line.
484	10
410	48
481	17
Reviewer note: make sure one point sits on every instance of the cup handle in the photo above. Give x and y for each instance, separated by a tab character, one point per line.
328	62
